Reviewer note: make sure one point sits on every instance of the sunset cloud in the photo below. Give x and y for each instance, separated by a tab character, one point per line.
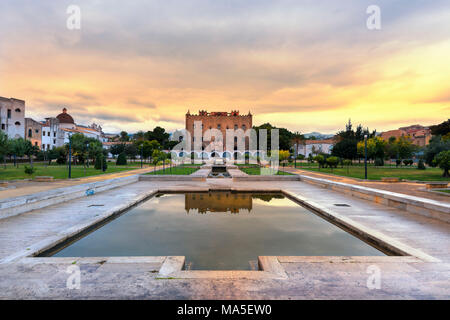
305	65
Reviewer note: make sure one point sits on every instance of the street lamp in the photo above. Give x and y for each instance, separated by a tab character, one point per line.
87	158
365	156
70	156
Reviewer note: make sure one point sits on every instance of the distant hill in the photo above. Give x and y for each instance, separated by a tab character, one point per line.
318	135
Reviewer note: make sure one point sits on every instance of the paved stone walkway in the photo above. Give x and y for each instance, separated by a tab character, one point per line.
310	278
30	187
410	188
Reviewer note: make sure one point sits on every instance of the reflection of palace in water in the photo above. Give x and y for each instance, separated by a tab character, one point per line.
218	202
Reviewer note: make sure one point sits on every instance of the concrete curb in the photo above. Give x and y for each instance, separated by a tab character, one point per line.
416	205
267	178
14	206
171	178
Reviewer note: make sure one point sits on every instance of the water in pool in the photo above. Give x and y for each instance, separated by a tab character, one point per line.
219	231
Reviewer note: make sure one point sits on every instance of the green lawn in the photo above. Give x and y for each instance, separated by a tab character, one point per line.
58	171
179	171
256	171
376	173
191	165
355	164
445	191
247	165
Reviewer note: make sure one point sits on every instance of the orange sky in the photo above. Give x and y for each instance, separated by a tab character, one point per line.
297	64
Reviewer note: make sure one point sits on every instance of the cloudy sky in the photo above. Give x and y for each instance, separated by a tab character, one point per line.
307	65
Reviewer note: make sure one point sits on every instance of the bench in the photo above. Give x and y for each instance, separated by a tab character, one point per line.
436	185
390	179
43	179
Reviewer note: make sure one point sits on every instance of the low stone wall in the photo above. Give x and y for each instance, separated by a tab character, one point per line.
171	178
14	206
267	178
236	173
416	205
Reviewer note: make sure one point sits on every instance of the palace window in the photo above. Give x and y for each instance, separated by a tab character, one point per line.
9	113
235	127
244	127
218	126
30	133
17	123
18	110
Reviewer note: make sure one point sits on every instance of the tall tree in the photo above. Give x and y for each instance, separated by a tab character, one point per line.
297	140
285	136
347	141
124	137
437	144
441	129
30	151
18	148
4	146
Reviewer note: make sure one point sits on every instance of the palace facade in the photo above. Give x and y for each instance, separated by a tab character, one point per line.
221	121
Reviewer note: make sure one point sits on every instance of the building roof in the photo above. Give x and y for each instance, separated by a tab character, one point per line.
233	113
393	133
81	130
64	117
327	141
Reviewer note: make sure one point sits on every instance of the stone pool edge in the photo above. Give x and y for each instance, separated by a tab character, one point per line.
270	266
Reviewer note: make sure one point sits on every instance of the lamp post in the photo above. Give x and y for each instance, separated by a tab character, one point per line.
87	158
70	156
365	156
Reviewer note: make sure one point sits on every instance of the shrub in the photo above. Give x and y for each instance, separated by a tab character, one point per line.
61	160
398	162
332	162
320	160
443	161
379	162
121	159
405	162
347	163
30	170
99	161
421	165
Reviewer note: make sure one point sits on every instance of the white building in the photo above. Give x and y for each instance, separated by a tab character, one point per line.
67	127
56	131
12	117
52	136
315	147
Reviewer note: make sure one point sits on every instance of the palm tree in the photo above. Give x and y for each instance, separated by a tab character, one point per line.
297	139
